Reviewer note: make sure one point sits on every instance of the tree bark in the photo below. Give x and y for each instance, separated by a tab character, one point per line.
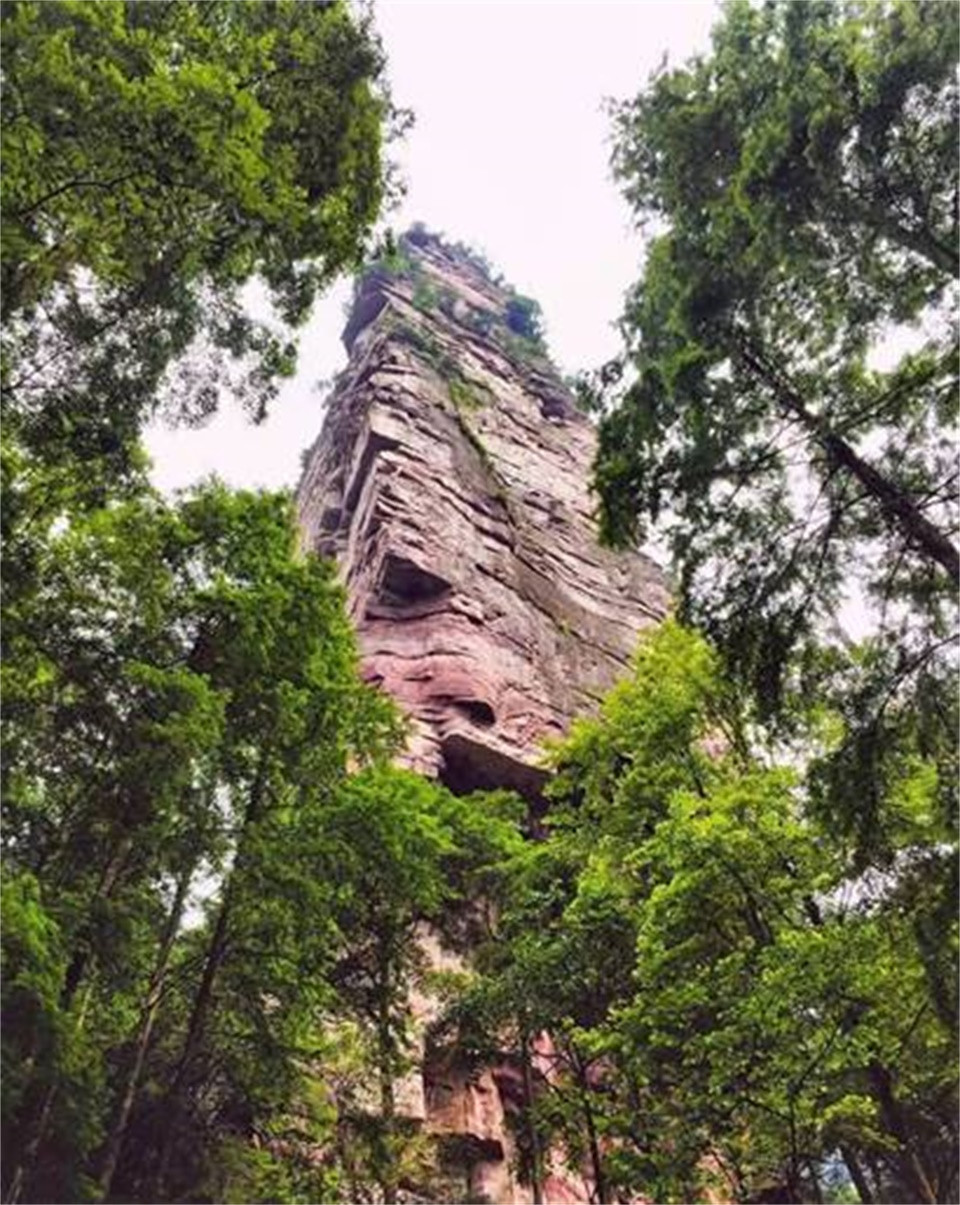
388	1110
914	1175
75	972
857	1175
921	242
897	506
195	1028
32	1148
536	1154
115	1139
104	889
216	952
593	1143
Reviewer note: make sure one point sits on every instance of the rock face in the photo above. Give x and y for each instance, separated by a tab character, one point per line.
450	481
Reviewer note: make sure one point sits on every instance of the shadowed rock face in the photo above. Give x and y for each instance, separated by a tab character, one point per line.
450	480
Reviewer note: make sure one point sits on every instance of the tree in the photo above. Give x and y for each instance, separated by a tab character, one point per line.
157	157
801	186
775	1012
731	1006
800	183
406	854
184	699
559	960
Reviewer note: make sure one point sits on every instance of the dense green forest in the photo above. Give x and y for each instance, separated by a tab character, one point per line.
737	922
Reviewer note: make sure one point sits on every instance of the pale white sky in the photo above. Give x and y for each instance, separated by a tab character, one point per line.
510	154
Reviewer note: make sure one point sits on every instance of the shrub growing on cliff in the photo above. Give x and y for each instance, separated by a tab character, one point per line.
523	317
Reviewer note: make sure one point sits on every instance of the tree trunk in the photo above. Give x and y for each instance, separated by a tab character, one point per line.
897	506
103	891
912	1172
115	1139
816	1192
195	1028
216	952
33	1147
536	1154
922	242
385	1059
596	1158
75	972
857	1175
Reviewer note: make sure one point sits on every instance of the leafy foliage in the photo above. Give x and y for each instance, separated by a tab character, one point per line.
156	158
730	965
185	714
719	1001
801	186
523	318
183	699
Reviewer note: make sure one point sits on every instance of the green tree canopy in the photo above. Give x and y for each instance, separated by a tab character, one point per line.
799	184
721	1001
156	158
182	699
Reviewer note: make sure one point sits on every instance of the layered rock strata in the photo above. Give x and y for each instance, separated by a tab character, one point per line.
450	481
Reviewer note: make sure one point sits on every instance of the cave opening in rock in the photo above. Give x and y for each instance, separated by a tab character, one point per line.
472	765
403	581
476	711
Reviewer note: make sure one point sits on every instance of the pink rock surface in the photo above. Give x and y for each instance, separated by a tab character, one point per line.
461	518
450	481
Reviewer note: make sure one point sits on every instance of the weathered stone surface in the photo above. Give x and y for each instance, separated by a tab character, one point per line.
450	480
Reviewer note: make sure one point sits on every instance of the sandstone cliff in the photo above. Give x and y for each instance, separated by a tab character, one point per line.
450	481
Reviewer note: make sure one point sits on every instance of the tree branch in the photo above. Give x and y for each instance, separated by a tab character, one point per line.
895	504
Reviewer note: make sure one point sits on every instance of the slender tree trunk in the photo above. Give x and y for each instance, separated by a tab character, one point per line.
815	1191
103	891
536	1154
596	1158
216	952
921	242
794	1179
942	988
343	1152
593	1142
386	1070
877	1175
599	1178
115	1139
388	1109
32	1148
857	1175
35	1143
914	1174
898	507
195	1028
